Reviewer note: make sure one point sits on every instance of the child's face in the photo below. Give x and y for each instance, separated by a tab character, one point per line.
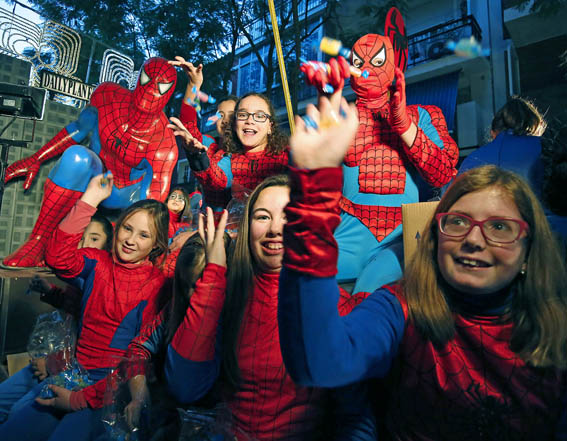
93	237
135	238
176	202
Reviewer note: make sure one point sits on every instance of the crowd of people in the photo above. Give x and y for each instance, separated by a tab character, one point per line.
257	332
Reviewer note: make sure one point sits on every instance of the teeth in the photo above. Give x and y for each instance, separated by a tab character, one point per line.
470	262
274	246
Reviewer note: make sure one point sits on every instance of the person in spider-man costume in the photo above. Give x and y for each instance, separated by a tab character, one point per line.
394	144
471	343
129	137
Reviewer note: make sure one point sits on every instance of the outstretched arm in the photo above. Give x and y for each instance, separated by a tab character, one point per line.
62	253
193	360
312	334
72	134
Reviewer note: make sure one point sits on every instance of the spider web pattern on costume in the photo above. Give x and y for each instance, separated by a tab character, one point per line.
269	405
248	170
117	302
474	388
381	157
129	138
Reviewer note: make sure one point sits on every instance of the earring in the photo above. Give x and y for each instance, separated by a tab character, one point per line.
523	270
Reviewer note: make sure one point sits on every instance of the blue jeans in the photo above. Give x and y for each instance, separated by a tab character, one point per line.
17	391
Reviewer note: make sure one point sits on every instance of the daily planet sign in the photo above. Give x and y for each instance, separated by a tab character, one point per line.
66	86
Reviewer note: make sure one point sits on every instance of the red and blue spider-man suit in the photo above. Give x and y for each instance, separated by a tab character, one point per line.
239	172
129	137
380	169
473	388
118	301
268	405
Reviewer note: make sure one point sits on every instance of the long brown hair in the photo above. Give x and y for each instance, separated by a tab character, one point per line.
539	304
159	216
188	269
186	215
240	280
277	141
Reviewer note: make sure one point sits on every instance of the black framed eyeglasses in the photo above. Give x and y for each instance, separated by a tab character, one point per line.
174	196
494	229
242	115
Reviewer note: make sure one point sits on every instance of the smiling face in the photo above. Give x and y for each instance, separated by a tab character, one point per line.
253	135
135	238
471	265
226	109
94	236
176	202
266	228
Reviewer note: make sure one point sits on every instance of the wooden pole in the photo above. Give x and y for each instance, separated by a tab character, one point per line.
281	63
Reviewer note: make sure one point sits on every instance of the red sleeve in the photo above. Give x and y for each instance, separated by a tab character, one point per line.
62	254
188	116
436	164
68	299
195	338
312	217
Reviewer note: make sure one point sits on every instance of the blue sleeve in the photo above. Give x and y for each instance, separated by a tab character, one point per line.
322	349
225	165
189	381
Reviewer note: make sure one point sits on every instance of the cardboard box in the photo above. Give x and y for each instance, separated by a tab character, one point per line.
414	219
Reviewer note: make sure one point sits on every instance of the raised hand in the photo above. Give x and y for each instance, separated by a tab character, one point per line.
399	118
213	238
339	70
195	74
28	167
99	188
190	144
322	139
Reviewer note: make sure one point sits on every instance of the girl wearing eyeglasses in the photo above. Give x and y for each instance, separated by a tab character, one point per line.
470	344
179	210
255	145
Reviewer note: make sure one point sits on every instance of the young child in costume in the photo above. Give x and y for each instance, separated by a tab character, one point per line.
18	389
256	148
471	340
179	211
231	324
394	144
120	296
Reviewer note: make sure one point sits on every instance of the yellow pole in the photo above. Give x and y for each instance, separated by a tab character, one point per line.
281	63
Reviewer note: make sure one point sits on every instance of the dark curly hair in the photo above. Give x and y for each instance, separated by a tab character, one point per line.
277	141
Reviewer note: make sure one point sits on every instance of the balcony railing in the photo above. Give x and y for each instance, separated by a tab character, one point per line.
429	44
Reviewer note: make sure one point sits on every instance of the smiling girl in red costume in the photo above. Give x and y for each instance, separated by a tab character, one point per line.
256	148
120	296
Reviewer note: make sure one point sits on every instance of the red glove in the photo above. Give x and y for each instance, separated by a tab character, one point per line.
339	71
399	118
28	167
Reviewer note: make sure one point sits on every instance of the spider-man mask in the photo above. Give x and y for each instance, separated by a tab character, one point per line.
156	84
373	53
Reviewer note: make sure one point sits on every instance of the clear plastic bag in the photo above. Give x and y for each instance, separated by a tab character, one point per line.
74	377
209	425
53	332
126	415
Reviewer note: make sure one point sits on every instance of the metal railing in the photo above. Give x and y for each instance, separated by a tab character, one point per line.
429	44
